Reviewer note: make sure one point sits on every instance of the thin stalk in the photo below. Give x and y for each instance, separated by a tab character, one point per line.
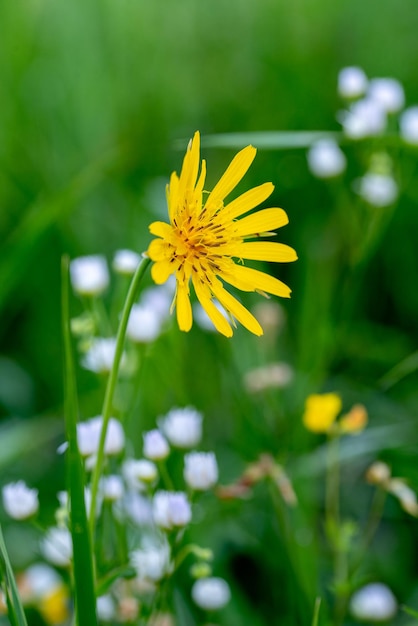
85	598
111	383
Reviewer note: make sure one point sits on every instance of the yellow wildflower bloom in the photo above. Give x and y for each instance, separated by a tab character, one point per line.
354	421
202	240
321	411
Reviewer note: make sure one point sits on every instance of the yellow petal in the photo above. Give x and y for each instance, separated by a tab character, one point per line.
218	320
183	307
249	279
232	176
159	250
190	166
161	229
239	311
260	222
161	271
248	200
260	251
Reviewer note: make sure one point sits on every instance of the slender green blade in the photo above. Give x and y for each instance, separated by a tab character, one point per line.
85	600
16	613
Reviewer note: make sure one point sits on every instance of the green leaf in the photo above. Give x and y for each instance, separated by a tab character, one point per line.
316	612
16	613
85	597
267	140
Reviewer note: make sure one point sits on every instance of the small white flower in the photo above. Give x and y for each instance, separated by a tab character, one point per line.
326	159
156	447
89	275
19	501
57	546
100	355
144	325
125	262
200	470
139	473
388	93
39	581
211	594
409	125
152	561
138	508
374	602
183	427
106	608
352	82
365	118
171	509
111	487
378	189
88	436
159	299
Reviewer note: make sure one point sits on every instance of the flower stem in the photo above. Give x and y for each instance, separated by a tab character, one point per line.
111	382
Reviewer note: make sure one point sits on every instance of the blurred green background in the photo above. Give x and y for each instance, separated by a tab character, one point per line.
94	96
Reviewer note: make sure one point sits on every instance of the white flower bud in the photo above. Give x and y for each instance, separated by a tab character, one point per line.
352	82
89	275
200	470
171	509
106	608
151	562
40	580
19	501
139	474
138	508
387	93
111	487
57	547
409	125
156	447
144	325
88	436
125	262
183	427
378	189
365	118
374	602
326	159
100	355
211	594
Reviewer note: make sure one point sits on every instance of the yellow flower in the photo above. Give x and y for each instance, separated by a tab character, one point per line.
203	238
354	421
321	411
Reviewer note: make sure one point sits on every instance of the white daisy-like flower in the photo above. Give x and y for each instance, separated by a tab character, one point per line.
171	509
57	546
89	275
200	470
352	82
211	593
125	262
20	501
326	159
182	427
374	602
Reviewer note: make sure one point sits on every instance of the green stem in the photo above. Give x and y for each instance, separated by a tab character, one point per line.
111	383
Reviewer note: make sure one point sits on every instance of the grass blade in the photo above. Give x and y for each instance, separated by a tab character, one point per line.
16	613
85	600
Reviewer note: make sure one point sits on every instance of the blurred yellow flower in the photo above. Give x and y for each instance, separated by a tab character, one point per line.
203	238
54	606
321	411
354	421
